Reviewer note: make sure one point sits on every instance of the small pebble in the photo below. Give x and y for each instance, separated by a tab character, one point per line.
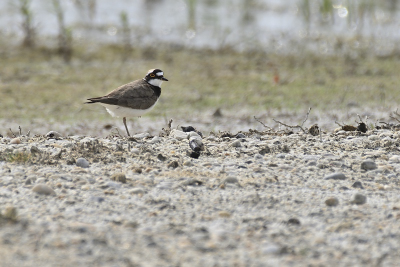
83	163
179	135
188	163
358	199
196	144
193	134
368	165
35	150
43	189
40	181
224	214
236	143
141	135
137	191
155	139
194	154
188	129
294	221
231	180
10	213
335	176
332	202
53	134
161	157
119	177
135	151
174	164
240	135
358	184
15	141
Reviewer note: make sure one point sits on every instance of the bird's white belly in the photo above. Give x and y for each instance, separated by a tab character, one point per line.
118	111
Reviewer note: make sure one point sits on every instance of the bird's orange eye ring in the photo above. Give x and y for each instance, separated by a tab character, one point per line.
152	75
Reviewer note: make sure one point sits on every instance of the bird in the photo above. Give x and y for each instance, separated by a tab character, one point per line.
133	99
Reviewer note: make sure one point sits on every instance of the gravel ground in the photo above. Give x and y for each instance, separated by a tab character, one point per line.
257	199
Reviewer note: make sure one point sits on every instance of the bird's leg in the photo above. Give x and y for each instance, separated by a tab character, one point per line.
124	120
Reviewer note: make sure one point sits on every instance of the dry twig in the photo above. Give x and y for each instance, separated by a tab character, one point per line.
395	113
296	126
266	126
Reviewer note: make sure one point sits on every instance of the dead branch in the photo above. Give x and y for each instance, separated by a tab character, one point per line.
266	126
296	126
308	113
338	123
12	132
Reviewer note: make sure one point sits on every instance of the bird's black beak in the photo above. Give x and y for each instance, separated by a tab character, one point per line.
164	79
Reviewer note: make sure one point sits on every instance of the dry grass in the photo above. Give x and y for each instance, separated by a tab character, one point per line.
36	83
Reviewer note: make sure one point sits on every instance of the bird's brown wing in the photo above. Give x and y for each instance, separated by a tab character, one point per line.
138	95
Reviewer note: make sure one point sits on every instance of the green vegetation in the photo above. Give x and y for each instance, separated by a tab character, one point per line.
17	157
36	83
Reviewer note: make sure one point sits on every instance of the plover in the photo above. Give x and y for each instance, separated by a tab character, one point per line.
133	99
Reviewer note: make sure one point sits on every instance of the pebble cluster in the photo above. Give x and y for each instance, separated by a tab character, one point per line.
184	199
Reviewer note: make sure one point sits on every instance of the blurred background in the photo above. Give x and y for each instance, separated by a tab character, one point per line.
227	61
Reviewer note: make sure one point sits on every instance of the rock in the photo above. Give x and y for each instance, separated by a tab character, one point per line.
357	184
332	201
293	221
53	134
192	181
155	139
224	214
368	165
141	135
193	134
236	143
35	150
194	154
240	135
119	177
83	163
231	180
188	163
188	129
137	191
10	213
264	151
174	164
314	130
196	144
362	127
161	157
358	199
179	135
40	181
15	141
96	199
135	151
335	176
43	189
373	137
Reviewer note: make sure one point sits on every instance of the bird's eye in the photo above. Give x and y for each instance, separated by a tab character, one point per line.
152	75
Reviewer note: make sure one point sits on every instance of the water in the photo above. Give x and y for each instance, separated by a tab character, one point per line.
240	24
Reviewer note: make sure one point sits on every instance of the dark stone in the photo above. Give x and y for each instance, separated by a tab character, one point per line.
188	129
194	155
362	127
161	157
174	164
240	135
358	184
293	221
264	151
